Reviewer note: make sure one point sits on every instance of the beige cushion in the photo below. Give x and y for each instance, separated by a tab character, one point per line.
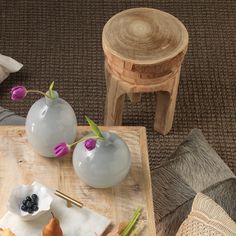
8	65
207	218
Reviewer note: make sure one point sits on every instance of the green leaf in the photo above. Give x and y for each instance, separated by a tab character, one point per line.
94	127
51	94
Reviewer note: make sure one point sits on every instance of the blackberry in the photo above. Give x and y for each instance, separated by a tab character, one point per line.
24	202
28	198
29	204
34	197
30	211
35	207
24	208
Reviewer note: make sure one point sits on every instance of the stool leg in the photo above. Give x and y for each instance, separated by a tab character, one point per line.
114	101
165	107
135	97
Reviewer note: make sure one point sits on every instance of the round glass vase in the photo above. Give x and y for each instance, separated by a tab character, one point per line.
49	122
104	166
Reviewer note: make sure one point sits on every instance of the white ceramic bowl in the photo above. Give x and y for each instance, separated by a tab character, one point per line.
21	192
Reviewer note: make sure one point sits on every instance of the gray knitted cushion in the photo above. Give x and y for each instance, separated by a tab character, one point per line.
10	118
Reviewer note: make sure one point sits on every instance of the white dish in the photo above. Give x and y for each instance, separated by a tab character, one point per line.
74	221
21	192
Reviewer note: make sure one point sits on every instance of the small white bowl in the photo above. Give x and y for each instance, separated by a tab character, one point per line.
21	192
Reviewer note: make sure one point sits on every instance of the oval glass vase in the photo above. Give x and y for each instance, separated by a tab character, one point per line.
49	122
104	166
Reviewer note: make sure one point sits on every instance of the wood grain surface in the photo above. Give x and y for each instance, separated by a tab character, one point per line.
19	164
143	49
155	35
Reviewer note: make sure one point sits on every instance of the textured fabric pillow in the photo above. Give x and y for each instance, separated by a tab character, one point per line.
207	218
8	65
10	118
194	167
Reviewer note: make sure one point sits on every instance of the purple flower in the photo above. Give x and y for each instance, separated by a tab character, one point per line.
90	144
61	149
18	93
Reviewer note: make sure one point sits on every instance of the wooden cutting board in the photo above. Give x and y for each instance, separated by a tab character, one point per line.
19	164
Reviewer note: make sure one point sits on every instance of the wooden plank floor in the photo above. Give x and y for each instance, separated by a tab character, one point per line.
19	164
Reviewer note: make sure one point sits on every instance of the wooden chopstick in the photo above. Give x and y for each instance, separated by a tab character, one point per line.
69	200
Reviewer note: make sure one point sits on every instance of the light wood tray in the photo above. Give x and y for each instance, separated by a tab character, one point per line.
19	164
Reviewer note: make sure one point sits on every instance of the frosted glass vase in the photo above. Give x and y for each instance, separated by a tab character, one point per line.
106	165
50	122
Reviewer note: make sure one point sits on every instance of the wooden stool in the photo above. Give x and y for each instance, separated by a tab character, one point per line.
144	49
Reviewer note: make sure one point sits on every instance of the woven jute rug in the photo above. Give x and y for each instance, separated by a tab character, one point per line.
61	41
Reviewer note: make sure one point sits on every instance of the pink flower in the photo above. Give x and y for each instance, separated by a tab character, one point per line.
61	149
18	93
90	144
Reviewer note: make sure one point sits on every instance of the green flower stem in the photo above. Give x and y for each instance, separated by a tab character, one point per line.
39	92
84	139
137	229
132	222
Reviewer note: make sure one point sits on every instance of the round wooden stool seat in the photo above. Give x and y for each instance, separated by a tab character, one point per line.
144	49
